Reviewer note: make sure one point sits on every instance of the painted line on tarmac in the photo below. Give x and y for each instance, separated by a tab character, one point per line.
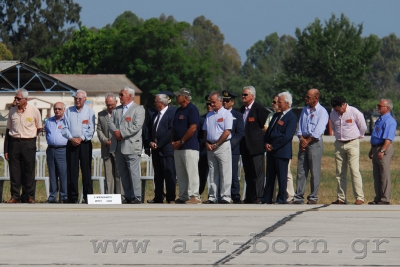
247	245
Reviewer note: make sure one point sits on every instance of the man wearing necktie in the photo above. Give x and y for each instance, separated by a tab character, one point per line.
162	151
125	125
278	143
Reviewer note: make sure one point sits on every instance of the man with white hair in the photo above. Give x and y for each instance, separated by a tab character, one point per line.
125	126
278	143
24	123
252	145
312	124
79	125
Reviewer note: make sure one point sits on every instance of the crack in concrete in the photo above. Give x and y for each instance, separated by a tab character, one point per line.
265	232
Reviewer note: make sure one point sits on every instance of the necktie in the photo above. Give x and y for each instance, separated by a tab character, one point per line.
124	110
154	130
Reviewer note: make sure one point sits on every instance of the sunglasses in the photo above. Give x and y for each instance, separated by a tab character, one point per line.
380	106
18	98
274	102
226	100
245	94
57	109
79	98
208	104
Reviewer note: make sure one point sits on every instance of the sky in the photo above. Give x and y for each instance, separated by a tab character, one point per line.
244	22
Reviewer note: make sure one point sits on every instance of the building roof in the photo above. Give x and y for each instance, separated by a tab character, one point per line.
97	83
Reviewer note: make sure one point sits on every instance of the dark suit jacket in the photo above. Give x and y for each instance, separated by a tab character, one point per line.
237	131
254	138
164	132
280	134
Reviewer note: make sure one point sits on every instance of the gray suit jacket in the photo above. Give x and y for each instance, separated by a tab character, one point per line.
130	125
103	133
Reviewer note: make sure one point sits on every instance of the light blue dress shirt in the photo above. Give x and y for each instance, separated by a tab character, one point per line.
385	128
53	132
313	123
79	124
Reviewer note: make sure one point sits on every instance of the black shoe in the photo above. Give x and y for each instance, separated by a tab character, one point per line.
311	202
48	201
153	201
237	201
298	202
180	201
126	201
65	201
281	203
208	202
223	201
136	201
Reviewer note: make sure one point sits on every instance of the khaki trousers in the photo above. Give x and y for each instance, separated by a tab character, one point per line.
187	174
381	171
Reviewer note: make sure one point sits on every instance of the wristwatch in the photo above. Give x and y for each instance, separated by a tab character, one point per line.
182	142
382	151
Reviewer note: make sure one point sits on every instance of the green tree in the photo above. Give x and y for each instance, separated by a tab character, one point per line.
127	17
27	26
333	58
5	54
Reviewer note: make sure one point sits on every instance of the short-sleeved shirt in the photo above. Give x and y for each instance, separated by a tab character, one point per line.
53	132
184	118
216	123
26	124
385	128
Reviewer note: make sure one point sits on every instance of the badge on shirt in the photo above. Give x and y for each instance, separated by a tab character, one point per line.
181	117
128	119
85	122
29	119
251	119
281	122
59	126
349	121
377	129
312	116
220	120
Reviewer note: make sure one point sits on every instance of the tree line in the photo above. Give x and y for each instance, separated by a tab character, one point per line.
165	54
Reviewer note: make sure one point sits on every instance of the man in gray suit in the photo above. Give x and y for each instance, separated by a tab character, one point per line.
125	126
113	181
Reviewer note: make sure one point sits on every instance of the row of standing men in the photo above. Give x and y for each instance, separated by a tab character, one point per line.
223	134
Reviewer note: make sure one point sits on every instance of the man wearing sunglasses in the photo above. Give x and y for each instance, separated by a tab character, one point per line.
24	123
79	123
252	145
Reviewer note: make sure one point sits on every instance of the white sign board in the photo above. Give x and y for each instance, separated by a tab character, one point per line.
104	199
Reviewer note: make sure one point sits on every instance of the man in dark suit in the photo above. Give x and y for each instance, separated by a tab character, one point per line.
278	143
252	145
236	136
113	180
160	131
203	159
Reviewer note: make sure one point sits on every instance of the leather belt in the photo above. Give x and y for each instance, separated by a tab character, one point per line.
22	139
57	146
216	142
347	141
377	145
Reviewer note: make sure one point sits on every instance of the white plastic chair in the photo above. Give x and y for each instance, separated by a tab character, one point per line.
41	165
148	174
5	176
97	172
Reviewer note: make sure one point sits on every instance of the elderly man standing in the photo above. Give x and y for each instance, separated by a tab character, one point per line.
278	143
312	124
79	123
252	145
24	123
160	132
113	181
186	148
348	125
126	128
217	133
237	134
55	154
382	152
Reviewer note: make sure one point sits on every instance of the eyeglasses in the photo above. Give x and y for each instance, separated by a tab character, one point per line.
273	102
79	98
208	104
226	100
380	106
57	109
18	98
245	94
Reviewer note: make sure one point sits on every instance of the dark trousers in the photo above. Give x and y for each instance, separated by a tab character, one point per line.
57	166
203	172
22	155
254	175
235	187
79	155
277	168
164	170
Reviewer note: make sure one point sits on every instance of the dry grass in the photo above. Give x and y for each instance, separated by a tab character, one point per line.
328	186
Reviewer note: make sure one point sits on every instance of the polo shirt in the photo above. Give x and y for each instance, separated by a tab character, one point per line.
184	117
216	123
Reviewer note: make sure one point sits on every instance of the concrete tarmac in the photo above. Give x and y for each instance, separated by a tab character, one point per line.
200	235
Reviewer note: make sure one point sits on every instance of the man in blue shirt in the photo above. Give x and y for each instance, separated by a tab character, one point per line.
55	154
186	148
382	152
312	124
79	121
